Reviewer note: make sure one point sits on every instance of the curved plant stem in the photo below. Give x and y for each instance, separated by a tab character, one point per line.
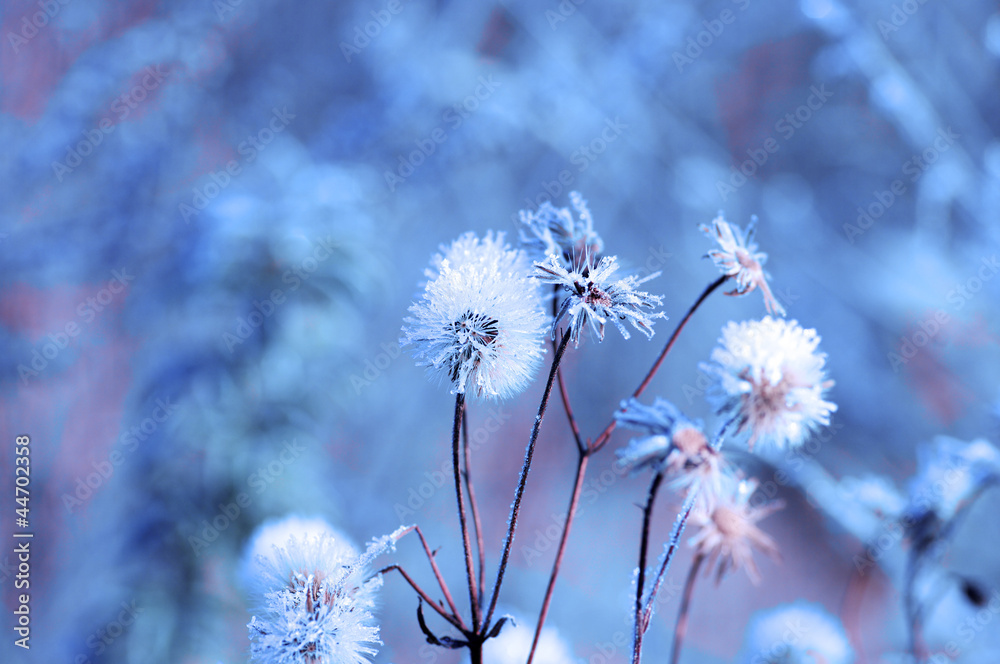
602	439
680	629
574	501
440	579
477	524
454	620
469	570
523	479
564	395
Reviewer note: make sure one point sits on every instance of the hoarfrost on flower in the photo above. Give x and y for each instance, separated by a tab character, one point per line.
737	257
554	231
728	532
314	602
479	323
675	445
592	298
770	380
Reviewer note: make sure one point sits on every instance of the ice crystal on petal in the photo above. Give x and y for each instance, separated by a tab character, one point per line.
592	298
674	445
737	257
554	231
480	322
770	379
799	633
728	531
314	601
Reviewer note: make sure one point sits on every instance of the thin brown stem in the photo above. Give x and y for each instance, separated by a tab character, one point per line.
424	596
523	479
642	621
602	439
467	547
564	395
640	584
440	579
477	524
680	629
581	470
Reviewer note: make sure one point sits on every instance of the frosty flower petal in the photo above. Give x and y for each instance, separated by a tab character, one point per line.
728	532
553	231
479	323
675	445
770	380
816	636
592	298
737	257
316	602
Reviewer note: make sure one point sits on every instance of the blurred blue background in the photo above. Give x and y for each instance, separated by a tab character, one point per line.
214	216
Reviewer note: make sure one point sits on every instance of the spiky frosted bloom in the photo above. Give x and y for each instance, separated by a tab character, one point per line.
554	231
950	472
728	532
737	257
592	298
263	551
480	323
313	603
769	377
797	633
673	444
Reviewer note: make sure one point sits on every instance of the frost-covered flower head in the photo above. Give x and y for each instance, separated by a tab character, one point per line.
737	257
592	298
770	379
728	531
950	472
674	445
797	633
313	603
264	551
554	231
480	322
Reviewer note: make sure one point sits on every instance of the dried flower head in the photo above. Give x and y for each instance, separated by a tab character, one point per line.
728	531
738	257
592	298
798	633
480	322
770	380
674	445
554	231
314	603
